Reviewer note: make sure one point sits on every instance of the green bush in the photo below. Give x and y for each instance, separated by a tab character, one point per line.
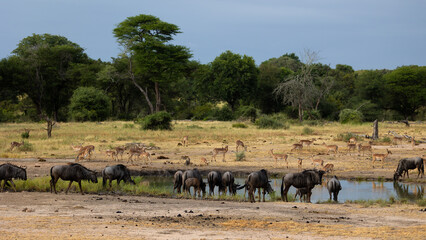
312	115
222	114
248	112
346	136
89	104
350	116
239	125
157	121
240	156
26	147
269	122
307	131
202	112
25	134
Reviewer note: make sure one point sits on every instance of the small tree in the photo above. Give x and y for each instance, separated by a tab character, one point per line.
89	104
350	116
157	121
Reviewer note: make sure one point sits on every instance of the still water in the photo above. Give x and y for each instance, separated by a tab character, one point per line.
351	190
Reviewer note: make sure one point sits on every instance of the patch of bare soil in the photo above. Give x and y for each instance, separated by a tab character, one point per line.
32	215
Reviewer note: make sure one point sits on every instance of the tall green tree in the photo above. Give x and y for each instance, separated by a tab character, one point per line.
153	61
44	61
407	89
232	78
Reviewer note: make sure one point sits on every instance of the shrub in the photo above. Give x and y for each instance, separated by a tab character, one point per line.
248	112
89	104
346	136
194	126
222	114
239	125
350	116
26	147
202	112
240	156
157	121
312	115
25	134
270	122
307	131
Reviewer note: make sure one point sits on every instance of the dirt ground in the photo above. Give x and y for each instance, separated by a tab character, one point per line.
33	215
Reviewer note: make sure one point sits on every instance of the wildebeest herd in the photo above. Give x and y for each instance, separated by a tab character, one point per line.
303	181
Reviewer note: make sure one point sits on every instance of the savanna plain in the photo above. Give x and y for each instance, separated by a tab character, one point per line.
146	211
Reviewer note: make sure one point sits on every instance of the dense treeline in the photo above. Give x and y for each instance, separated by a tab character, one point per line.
48	77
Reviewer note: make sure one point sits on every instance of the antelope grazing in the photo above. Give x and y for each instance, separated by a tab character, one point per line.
84	152
317	162
352	140
329	167
396	140
240	144
147	157
15	145
119	151
306	142
112	154
220	150
296	146
185	141
381	156
76	148
276	156
204	161
351	146
299	163
331	148
135	151
364	148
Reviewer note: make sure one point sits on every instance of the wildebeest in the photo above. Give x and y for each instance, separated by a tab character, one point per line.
117	172
214	178
71	172
306	179
333	186
302	193
258	180
177	181
194	173
9	171
228	183
197	184
406	164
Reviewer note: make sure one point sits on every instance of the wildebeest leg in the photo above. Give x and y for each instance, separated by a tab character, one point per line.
13	185
330	195
2	185
81	190
110	183
285	193
54	181
66	192
309	195
264	192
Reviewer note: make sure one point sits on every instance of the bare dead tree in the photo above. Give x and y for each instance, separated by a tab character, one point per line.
299	89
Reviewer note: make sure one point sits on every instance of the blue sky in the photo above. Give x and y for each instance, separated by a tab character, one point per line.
365	34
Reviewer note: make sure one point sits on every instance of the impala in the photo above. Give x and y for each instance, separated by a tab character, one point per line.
119	151
296	146
381	156
332	148
299	163
15	145
328	167
76	148
306	142
276	156
220	150
112	154
185	141
84	152
351	146
240	144
317	162
352	140
135	151
204	161
395	140
364	148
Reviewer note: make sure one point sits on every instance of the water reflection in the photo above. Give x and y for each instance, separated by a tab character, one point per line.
351	190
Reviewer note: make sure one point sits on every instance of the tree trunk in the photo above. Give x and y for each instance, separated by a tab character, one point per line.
375	130
300	113
144	92
157	98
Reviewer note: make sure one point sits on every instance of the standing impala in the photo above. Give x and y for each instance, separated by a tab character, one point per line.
185	141
276	156
296	146
331	148
364	148
240	144
381	157
15	145
220	150
306	142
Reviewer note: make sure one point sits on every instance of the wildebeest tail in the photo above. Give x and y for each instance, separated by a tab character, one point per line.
282	187
103	178
241	187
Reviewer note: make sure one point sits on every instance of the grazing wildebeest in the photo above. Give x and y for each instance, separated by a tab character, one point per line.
406	164
302	193
214	179
258	180
194	173
306	179
333	186
9	171
197	184
117	172
71	172
228	183
177	181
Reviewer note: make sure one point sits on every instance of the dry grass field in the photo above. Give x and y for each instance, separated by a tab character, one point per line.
203	137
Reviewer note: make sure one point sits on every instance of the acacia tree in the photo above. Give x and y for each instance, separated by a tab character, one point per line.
152	60
44	61
298	89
